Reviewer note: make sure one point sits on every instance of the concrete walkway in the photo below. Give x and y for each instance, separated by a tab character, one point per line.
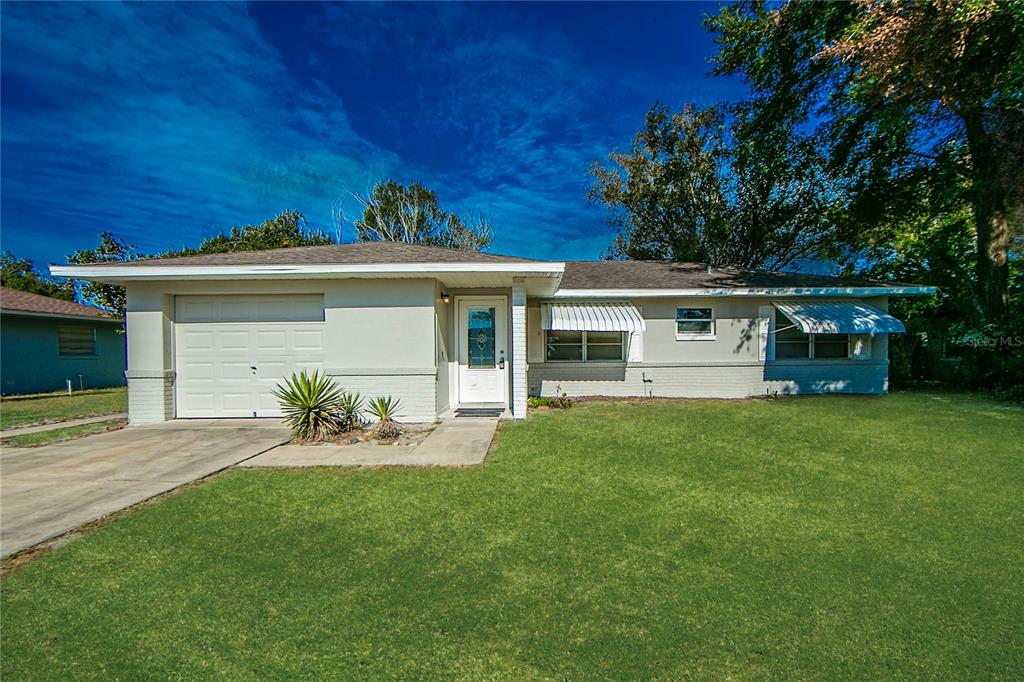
47	491
454	443
38	428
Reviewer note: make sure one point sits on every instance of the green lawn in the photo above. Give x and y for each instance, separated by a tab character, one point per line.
43	408
30	440
814	538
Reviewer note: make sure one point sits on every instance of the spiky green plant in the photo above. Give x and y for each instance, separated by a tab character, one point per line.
308	403
350	412
385	408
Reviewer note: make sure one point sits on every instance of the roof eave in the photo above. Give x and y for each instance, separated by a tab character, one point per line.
747	291
62	316
129	272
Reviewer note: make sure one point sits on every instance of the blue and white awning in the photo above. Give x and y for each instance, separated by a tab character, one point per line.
591	317
839	317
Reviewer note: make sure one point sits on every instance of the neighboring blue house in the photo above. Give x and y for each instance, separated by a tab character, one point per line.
44	342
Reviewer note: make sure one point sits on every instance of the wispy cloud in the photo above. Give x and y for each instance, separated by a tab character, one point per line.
166	122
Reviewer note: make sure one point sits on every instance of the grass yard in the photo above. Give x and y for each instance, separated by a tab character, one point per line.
813	538
31	440
45	408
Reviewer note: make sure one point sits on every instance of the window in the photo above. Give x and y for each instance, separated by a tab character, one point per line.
793	344
695	323
584	346
831	346
76	341
480	341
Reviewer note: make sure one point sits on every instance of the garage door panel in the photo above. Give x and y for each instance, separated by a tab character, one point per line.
234	371
271	370
259	308
216	349
308	339
237	311
202	401
234	340
271	340
194	340
199	372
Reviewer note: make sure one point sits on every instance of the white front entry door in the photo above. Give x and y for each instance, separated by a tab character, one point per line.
231	352
483	356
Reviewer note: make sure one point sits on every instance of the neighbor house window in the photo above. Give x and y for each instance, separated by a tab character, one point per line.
584	346
76	341
695	323
793	344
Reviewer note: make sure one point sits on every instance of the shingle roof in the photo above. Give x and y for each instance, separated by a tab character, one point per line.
335	254
22	301
635	274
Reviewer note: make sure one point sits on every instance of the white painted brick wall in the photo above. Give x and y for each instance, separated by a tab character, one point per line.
417	392
707	381
150	399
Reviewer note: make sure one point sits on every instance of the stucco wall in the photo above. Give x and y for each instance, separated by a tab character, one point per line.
30	361
380	338
441	346
728	366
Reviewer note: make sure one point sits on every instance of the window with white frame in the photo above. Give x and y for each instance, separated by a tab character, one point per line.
560	346
76	341
695	323
793	344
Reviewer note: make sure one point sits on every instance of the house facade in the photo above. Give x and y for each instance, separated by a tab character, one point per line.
46	342
212	335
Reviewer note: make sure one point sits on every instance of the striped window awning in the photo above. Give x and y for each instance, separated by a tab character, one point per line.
591	317
839	317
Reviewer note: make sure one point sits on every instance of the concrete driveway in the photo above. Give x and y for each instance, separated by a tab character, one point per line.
50	490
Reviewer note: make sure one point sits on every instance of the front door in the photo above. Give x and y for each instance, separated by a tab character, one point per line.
483	358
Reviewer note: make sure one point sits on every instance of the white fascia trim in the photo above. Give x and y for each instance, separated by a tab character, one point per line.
798	291
128	271
62	316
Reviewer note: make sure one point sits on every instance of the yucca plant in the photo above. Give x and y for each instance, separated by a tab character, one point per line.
385	408
350	412
308	403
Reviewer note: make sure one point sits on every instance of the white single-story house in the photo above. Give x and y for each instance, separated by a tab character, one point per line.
212	335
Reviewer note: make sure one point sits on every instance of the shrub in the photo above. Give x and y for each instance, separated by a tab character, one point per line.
308	403
350	412
384	408
562	402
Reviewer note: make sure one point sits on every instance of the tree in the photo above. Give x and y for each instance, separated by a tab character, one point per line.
20	274
394	212
108	296
287	229
895	91
697	185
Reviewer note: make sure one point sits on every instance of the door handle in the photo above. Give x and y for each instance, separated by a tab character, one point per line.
501	361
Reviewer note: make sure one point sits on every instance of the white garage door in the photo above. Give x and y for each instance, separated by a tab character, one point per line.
232	351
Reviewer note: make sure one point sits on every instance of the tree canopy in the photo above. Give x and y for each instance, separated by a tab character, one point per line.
287	229
900	96
20	274
413	214
697	187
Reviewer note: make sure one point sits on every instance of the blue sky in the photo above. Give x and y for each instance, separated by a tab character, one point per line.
167	123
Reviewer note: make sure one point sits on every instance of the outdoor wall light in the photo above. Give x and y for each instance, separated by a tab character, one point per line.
445	297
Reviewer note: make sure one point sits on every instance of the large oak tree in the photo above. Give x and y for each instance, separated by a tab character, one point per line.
895	92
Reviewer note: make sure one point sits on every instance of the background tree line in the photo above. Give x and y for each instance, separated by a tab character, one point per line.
390	212
886	138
